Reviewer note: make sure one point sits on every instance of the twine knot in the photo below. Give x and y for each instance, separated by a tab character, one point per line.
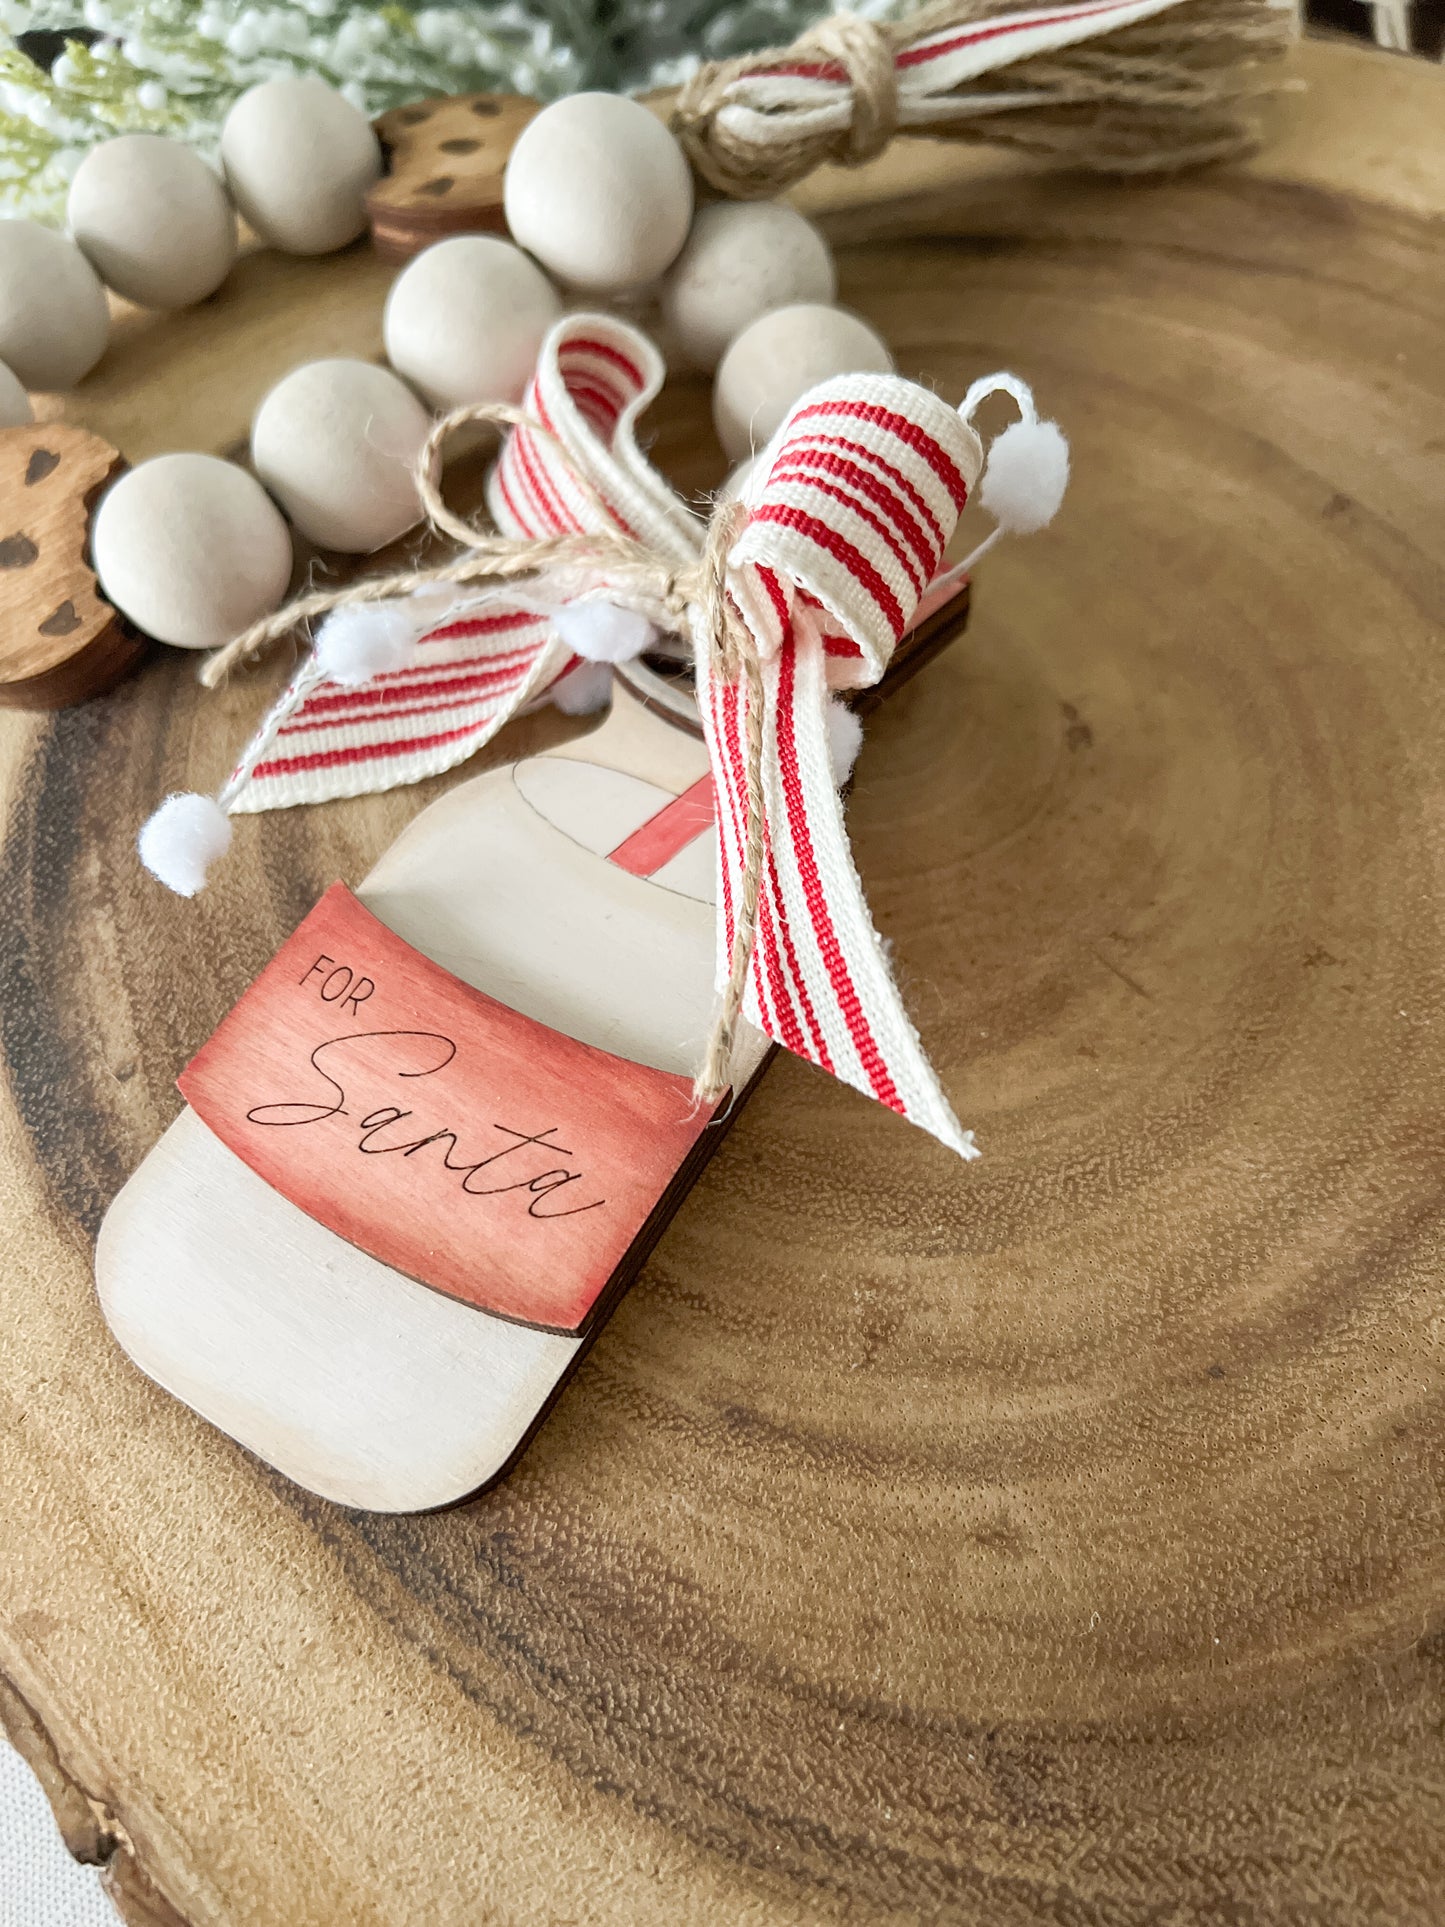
865	53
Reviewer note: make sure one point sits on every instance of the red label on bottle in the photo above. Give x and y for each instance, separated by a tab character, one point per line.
468	1146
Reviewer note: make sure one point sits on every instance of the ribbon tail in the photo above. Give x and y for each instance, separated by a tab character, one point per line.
465	681
818	982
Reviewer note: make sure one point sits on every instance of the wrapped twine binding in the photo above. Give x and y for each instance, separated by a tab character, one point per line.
1181	88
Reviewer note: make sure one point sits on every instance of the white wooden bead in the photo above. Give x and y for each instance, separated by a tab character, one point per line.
15	409
153	220
465	320
779	357
336	443
191	548
53	318
598	189
299	159
742	259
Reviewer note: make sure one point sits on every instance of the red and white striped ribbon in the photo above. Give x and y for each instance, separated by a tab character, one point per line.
778	105
496	650
470	675
849	509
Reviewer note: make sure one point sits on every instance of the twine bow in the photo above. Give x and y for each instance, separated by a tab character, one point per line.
801	588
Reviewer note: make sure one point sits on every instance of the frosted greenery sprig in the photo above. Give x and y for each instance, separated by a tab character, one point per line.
175	66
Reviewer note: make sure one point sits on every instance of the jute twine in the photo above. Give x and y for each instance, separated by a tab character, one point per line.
692	601
1175	91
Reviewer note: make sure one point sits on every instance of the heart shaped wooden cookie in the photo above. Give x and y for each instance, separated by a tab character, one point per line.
60	641
445	162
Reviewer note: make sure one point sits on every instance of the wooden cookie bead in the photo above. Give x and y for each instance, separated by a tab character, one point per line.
444	165
53	319
466	320
336	443
153	220
779	357
742	259
299	159
599	191
192	549
15	409
59	643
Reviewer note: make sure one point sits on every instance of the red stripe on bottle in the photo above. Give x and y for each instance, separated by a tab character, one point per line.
661	837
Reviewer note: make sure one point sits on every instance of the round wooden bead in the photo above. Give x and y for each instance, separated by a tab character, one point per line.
53	317
599	191
742	259
153	220
191	548
779	357
299	159
465	320
336	443
15	409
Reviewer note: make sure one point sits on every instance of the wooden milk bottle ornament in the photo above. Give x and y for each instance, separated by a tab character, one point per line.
430	1147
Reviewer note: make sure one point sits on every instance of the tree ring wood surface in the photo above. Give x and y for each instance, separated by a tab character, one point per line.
1056	1539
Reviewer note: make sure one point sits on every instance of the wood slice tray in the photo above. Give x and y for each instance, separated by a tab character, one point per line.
1056	1539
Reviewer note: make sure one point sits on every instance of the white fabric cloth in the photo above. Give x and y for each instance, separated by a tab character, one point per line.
40	1885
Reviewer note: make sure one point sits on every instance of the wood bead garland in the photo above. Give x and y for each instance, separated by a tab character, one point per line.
299	159
153	220
336	443
741	259
778	357
600	192
191	548
465	320
54	323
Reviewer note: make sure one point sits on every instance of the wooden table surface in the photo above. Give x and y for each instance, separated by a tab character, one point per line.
1057	1539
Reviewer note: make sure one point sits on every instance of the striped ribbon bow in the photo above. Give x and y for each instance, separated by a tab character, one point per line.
838	535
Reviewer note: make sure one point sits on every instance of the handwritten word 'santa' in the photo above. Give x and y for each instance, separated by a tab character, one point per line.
512	1167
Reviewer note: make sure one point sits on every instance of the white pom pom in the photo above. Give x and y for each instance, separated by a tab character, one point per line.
845	739
1027	473
584	690
180	842
603	631
363	639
